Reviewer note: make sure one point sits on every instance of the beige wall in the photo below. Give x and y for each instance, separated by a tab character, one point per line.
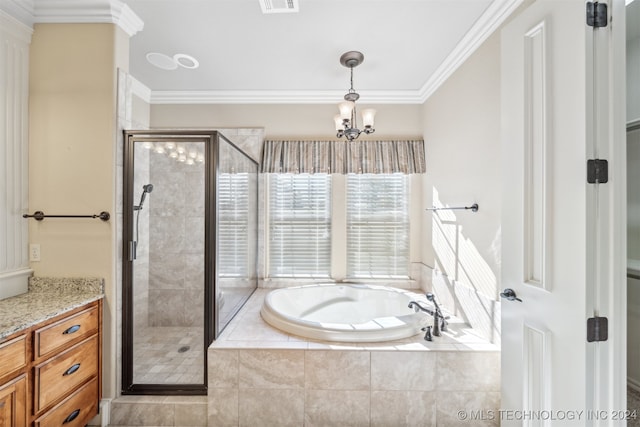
462	136
71	156
306	121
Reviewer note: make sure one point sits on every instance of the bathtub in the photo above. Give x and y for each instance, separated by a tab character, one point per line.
344	312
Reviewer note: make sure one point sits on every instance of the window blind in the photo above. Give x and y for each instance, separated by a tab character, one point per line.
377	226
233	221
299	225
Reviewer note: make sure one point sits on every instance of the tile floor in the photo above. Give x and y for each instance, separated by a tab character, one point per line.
169	355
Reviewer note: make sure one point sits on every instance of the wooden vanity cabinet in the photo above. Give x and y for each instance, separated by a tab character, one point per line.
50	374
14	361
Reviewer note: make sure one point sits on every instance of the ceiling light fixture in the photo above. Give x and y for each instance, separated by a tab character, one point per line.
166	62
346	123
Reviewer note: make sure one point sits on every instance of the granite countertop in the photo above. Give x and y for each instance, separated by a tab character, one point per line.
47	297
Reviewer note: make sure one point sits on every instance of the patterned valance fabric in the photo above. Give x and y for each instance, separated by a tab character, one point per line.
343	157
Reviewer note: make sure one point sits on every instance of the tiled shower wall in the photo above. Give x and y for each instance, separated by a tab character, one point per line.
176	242
176	232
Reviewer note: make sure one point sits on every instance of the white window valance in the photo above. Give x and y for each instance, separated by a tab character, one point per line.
377	157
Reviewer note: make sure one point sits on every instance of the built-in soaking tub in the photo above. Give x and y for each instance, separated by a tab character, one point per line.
344	312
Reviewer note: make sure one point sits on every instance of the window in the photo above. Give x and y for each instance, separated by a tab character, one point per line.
368	215
377	225
299	225
233	219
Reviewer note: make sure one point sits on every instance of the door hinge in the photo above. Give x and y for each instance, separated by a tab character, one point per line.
597	14
597	329
597	171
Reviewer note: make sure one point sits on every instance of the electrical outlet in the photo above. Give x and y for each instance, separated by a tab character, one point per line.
34	252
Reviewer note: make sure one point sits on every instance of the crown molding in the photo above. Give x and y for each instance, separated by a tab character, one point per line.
497	12
279	97
21	10
88	11
140	90
15	27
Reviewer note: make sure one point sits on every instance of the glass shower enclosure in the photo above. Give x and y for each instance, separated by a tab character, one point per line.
189	254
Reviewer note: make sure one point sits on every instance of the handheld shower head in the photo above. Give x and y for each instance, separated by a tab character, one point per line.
431	298
148	188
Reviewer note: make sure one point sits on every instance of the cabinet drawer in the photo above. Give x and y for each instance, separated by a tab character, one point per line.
13	355
54	336
59	375
75	411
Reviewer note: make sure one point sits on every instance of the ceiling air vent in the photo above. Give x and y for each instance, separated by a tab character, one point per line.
279	6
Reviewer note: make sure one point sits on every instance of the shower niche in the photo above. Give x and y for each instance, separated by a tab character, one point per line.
189	253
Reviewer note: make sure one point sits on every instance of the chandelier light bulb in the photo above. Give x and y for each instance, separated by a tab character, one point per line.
173	154
193	154
200	158
148	145
159	149
182	158
338	120
190	161
180	149
368	116
346	108
170	145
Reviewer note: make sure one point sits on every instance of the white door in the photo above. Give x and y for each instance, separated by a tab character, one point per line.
549	225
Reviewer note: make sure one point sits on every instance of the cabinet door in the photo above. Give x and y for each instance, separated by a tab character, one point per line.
13	403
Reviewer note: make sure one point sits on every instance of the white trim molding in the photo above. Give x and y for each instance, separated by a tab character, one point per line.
15	38
89	11
140	90
15	27
279	97
22	10
497	12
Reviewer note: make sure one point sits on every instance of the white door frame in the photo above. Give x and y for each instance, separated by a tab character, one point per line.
607	209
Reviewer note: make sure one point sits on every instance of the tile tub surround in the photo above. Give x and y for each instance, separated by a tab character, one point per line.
47	297
257	372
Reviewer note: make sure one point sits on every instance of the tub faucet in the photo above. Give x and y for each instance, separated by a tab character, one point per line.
439	320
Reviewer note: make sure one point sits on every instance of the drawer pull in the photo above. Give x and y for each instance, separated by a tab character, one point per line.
72	416
71	330
71	370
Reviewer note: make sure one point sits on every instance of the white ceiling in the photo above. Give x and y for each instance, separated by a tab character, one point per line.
247	56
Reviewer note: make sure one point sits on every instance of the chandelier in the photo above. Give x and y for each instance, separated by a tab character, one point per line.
346	122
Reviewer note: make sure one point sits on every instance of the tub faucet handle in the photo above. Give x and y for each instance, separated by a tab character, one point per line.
427	335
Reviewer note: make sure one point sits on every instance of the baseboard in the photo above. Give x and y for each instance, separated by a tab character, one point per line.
105	411
633	383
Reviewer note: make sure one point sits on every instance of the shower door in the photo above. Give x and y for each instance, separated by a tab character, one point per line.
186	194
